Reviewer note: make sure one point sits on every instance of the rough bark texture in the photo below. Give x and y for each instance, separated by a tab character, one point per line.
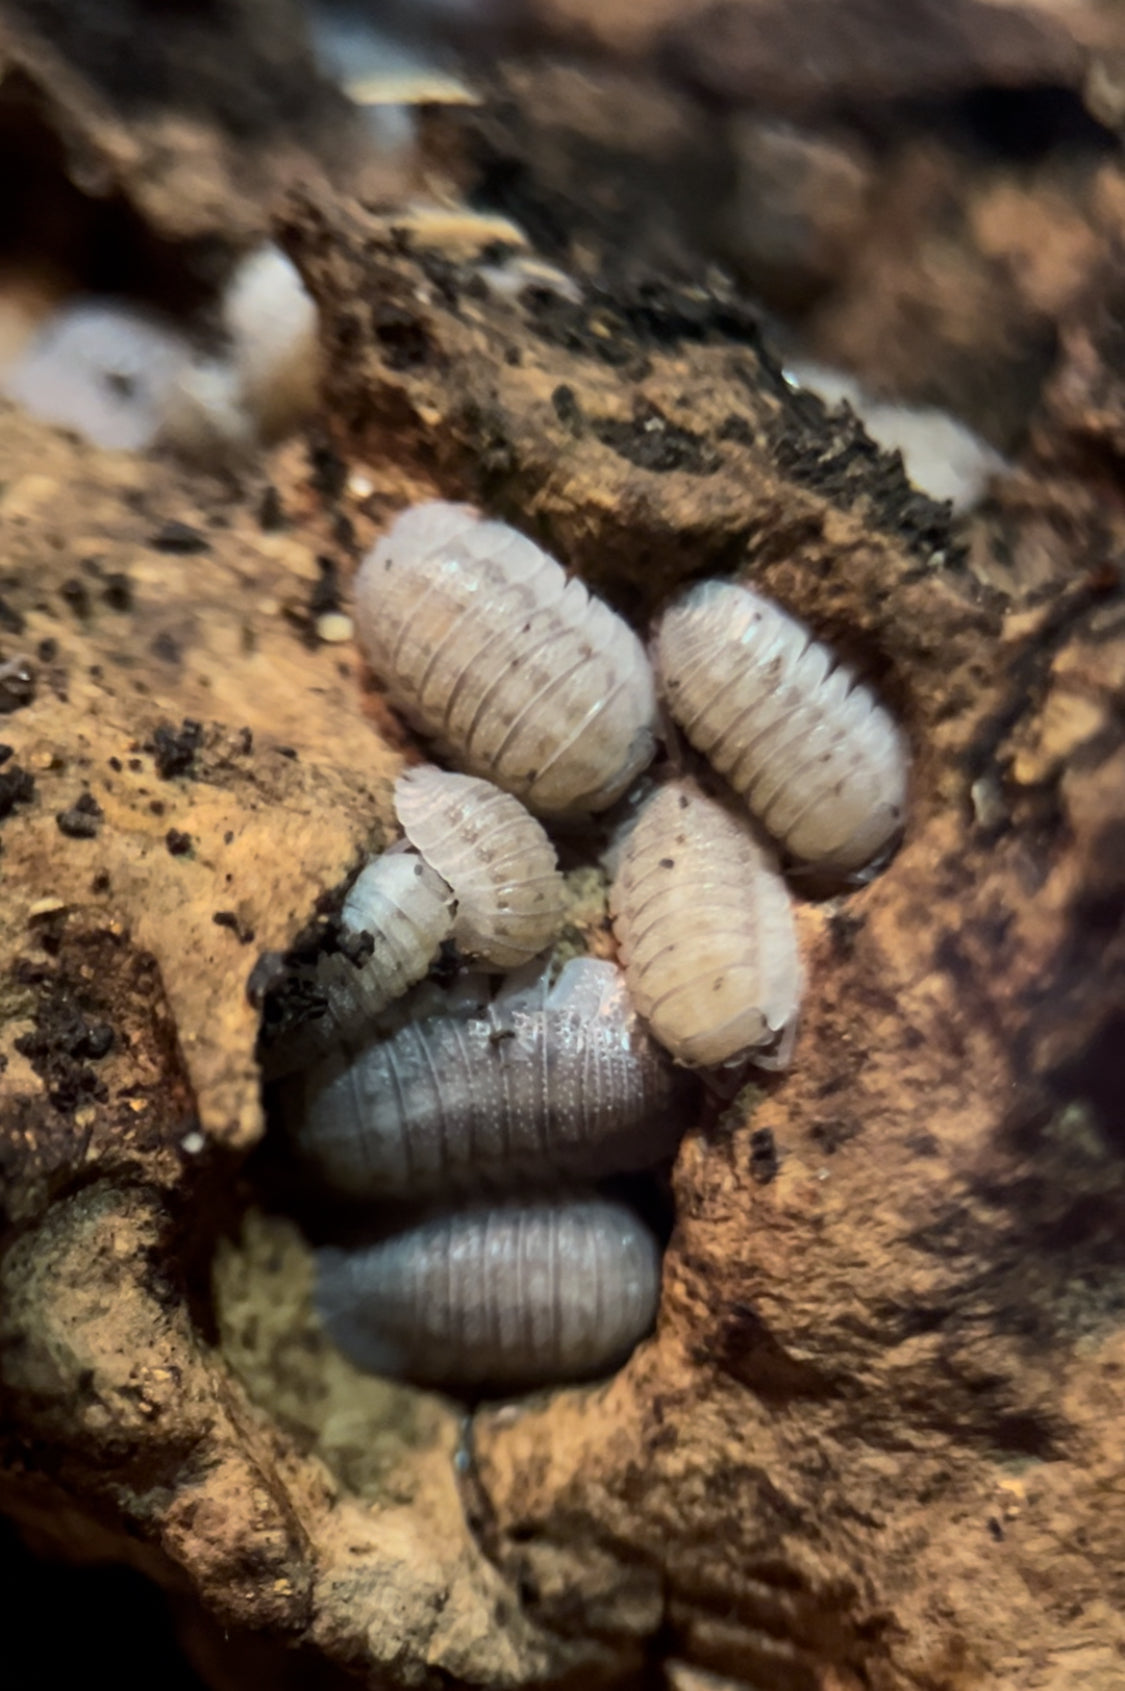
874	1444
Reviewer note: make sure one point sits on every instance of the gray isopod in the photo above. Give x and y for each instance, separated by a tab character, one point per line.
538	1082
512	1295
808	748
496	858
704	925
405	910
515	672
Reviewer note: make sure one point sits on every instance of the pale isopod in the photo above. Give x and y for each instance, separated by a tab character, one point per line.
808	748
513	1295
517	673
405	910
540	1081
495	856
704	925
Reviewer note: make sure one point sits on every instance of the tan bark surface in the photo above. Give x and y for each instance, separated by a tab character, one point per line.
874	1444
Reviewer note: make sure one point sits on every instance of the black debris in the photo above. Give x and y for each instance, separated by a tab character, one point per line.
118	592
47	650
174	749
61	1048
165	647
5	753
83	820
16	787
77	595
271	512
764	1160
17	685
179	537
11	620
178	843
228	919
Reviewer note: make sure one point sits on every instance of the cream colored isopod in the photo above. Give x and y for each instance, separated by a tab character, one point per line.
705	929
495	856
404	911
517	673
808	748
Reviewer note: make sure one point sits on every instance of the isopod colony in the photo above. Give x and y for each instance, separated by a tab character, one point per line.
489	1109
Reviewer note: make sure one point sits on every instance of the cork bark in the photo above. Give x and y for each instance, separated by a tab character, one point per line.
874	1443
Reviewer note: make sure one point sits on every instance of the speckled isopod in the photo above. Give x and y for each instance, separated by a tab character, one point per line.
808	748
540	1081
495	856
515	672
516	1294
704	925
405	910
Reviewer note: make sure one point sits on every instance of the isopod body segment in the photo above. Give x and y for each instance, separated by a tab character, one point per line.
495	857
514	1295
489	1093
517	673
809	749
705	930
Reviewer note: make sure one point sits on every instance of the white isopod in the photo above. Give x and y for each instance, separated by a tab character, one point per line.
495	856
515	672
405	910
808	748
512	1295
705	928
541	1081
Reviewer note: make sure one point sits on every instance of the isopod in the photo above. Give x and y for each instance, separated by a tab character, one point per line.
541	1081
515	672
404	911
705	930
807	747
494	855
514	1295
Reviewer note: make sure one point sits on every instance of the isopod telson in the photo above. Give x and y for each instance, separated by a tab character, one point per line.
515	1294
404	911
515	672
495	856
705	929
538	1082
808	748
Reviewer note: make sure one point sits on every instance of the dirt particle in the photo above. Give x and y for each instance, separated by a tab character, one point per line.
271	511
47	650
181	538
567	409
764	1160
165	647
118	592
83	820
174	749
178	843
17	685
76	594
16	787
11	620
229	919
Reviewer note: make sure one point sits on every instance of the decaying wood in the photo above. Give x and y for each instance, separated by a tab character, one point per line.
875	1441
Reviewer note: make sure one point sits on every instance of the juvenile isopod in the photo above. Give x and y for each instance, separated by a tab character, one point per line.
495	856
807	747
513	1295
540	1081
401	911
705	929
515	672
